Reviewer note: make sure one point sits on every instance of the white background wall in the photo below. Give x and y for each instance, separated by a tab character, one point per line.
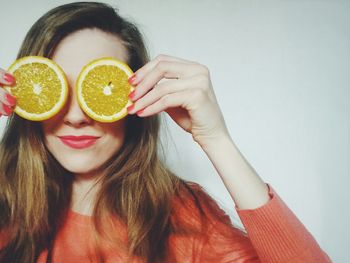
280	70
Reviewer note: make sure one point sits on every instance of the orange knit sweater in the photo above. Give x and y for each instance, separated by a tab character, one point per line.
274	234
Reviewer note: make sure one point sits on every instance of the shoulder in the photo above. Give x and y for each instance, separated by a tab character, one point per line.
192	205
215	237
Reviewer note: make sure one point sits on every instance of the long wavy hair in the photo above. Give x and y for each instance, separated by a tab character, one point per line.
136	188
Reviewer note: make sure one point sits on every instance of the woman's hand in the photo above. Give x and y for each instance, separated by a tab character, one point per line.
183	89
7	102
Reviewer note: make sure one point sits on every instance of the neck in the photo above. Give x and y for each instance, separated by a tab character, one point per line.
84	191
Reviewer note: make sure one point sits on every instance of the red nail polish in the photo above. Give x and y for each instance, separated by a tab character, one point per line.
7	109
132	79
9	78
140	112
10	99
132	95
131	107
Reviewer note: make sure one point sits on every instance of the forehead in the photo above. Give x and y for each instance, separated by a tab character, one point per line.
83	46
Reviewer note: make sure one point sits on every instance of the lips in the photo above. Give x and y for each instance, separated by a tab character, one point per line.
79	142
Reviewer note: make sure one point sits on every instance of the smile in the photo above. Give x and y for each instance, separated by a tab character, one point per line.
79	142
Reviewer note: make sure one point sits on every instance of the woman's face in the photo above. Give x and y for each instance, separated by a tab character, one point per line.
72	53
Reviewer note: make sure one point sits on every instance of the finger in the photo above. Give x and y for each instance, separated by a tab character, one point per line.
7	98
5	109
160	90
6	78
172	100
151	64
140	73
7	102
165	70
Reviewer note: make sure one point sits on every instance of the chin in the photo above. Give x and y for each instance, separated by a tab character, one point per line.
83	161
78	170
81	165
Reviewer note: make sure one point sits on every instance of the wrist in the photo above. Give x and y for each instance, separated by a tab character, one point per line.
215	142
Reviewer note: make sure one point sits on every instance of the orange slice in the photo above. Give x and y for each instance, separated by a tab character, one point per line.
103	89
41	87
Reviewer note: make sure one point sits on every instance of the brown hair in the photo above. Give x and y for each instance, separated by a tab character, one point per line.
136	187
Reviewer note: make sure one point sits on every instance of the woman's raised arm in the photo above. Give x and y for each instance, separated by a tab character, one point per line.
183	89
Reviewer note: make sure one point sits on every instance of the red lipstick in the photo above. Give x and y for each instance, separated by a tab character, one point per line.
78	142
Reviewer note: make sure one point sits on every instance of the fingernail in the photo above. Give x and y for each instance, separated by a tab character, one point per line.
132	79
132	95
9	78
7	109
131	108
10	99
140	112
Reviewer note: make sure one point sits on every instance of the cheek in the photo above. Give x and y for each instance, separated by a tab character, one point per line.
109	144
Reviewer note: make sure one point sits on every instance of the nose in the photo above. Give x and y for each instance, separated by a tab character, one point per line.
74	115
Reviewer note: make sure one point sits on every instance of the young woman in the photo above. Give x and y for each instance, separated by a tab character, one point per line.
115	201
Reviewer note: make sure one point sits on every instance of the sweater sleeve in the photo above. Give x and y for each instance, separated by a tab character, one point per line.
277	234
274	235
